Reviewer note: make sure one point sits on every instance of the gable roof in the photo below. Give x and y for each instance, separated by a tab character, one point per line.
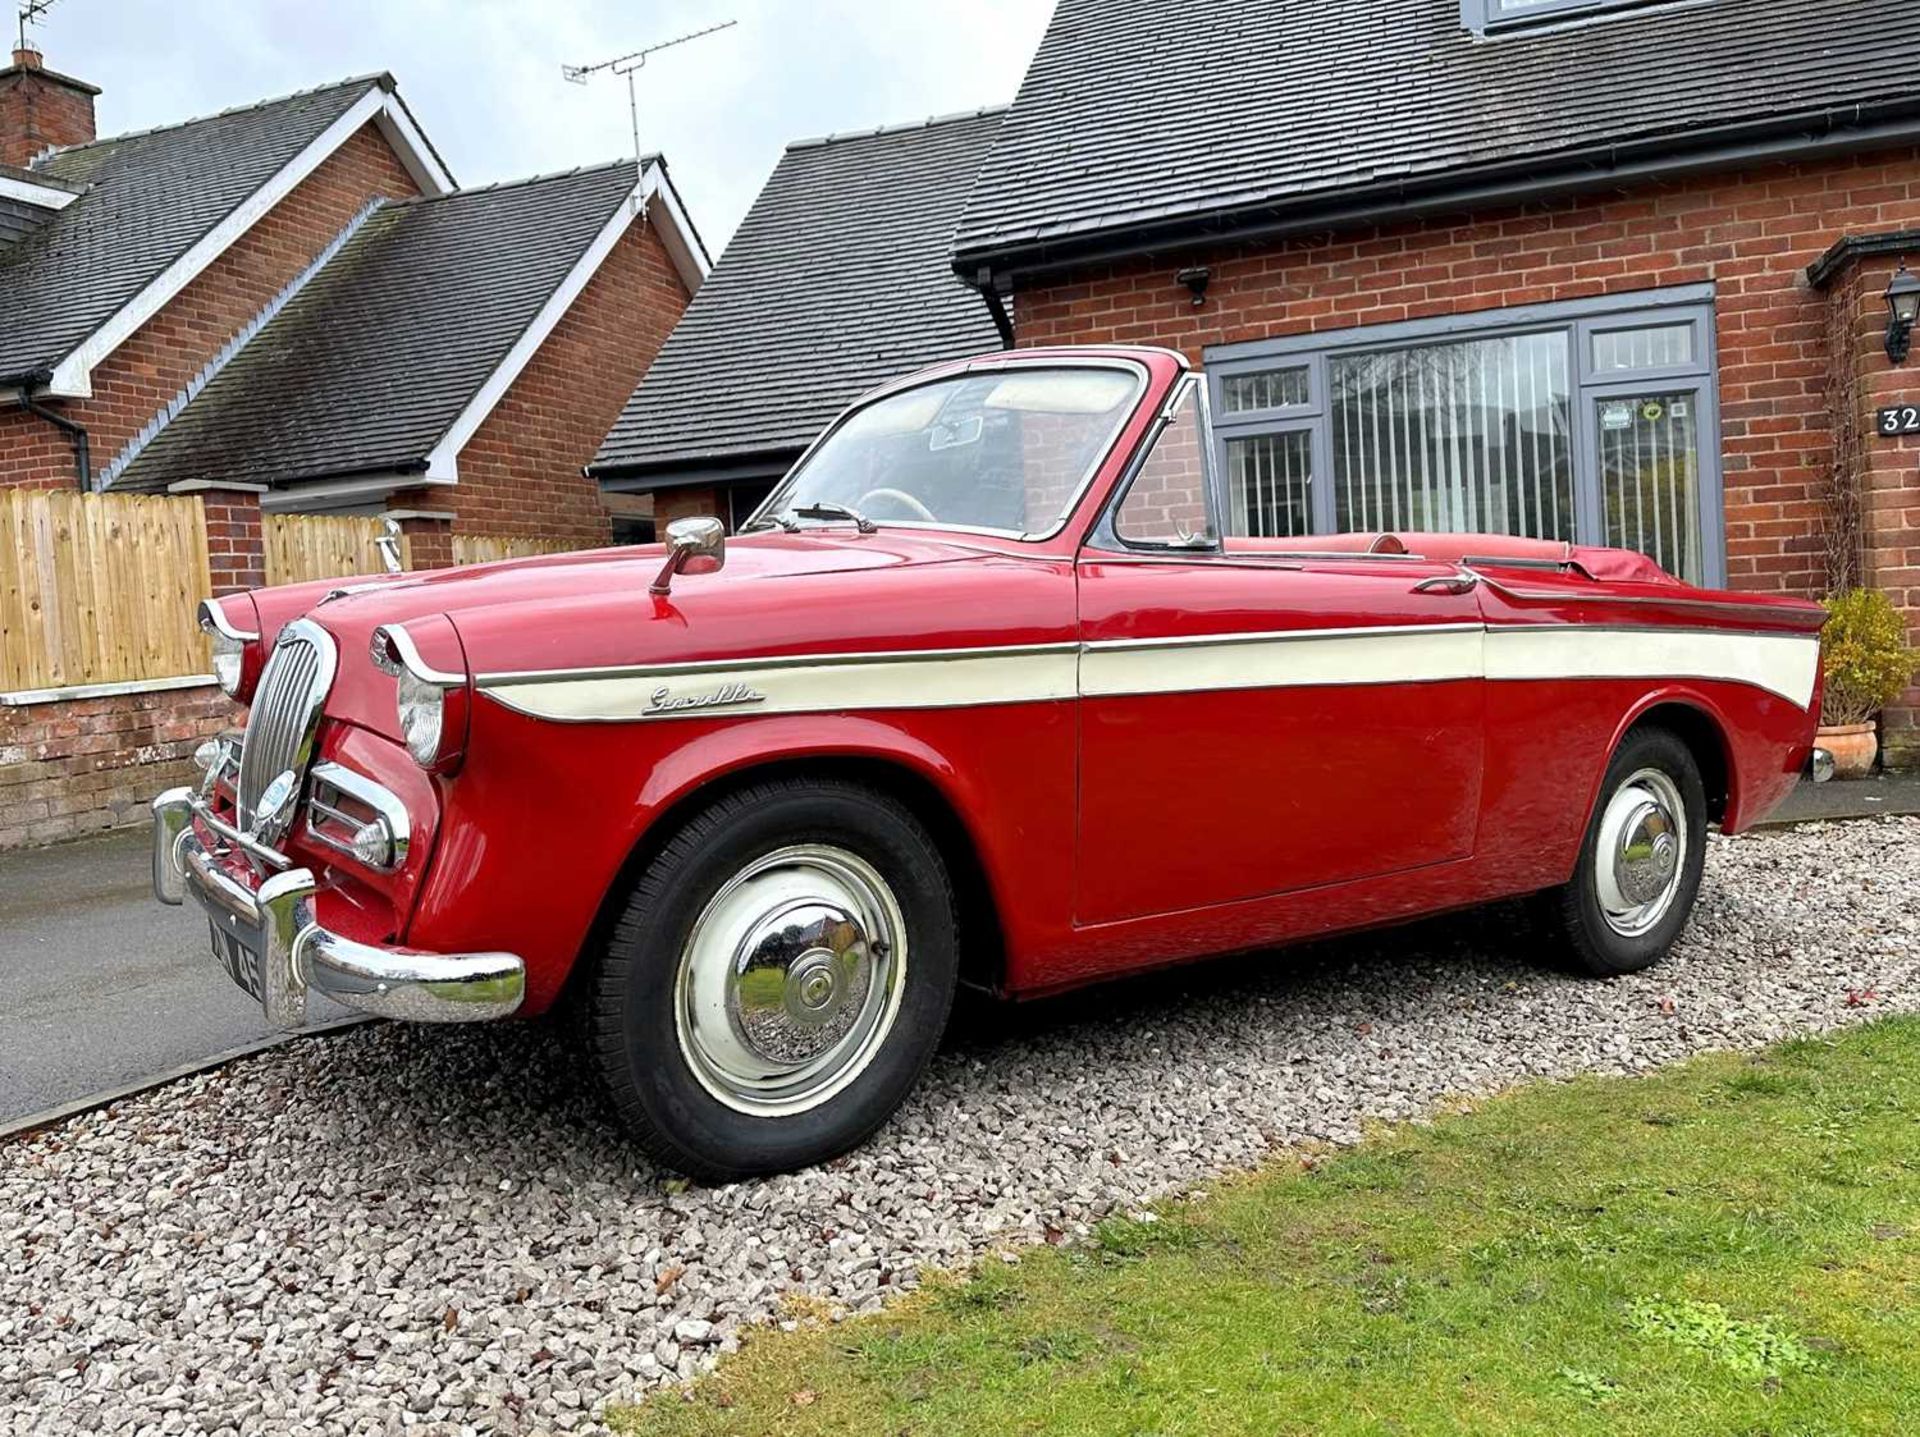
390	355
1141	123
157	206
836	280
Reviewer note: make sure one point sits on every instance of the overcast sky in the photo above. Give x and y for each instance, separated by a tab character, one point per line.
483	76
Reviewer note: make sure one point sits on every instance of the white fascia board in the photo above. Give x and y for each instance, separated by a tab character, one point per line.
397	125
338	493
73	378
683	248
676	229
27	193
443	464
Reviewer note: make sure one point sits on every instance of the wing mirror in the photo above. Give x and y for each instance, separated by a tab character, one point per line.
694	546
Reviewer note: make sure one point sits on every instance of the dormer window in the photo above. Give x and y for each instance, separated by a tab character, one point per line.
1482	16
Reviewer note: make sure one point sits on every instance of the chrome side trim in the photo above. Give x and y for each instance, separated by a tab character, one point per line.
768	661
382	800
1281	636
1807	622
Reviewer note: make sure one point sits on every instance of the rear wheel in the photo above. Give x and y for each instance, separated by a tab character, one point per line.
778	981
1640	866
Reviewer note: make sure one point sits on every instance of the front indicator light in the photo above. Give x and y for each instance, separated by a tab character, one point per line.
373	845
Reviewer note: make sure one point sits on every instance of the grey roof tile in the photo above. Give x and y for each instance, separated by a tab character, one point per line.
148	198
836	280
367	365
1135	111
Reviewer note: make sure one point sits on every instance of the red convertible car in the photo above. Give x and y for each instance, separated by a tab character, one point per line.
985	693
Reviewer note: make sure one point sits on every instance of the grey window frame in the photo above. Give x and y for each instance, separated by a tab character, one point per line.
1579	319
1485	17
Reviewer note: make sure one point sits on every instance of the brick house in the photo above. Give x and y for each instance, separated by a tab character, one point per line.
1610	270
291	307
836	280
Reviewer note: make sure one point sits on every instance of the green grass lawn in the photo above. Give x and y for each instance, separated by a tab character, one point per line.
1731	1246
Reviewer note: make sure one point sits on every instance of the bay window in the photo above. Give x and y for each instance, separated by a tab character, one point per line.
1592	421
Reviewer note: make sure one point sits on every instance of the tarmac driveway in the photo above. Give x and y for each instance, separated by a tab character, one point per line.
99	984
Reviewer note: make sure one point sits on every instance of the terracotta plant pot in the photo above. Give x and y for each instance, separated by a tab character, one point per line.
1853	747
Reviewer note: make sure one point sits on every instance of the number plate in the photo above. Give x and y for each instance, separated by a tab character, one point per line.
1899	419
241	962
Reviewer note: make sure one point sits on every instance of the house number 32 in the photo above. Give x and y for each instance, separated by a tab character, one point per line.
1900	419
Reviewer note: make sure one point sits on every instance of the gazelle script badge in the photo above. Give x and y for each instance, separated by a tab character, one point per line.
666	701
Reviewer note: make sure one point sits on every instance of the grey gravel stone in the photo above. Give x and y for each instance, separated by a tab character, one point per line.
439	1232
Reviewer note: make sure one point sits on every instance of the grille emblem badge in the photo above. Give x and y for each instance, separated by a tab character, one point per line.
273	799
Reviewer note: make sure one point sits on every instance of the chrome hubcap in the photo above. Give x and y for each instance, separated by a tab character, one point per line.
1641	853
791	980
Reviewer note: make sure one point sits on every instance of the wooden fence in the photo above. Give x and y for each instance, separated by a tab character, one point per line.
103	588
99	588
485	548
323	546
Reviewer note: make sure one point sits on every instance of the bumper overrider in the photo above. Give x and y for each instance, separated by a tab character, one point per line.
267	933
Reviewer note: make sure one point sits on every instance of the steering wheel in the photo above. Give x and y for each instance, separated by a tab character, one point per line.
899	496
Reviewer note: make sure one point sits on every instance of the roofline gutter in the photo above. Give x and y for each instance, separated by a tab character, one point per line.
75	432
1823	271
996	306
617	477
1806	135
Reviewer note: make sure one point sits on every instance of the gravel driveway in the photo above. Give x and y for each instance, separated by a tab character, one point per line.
437	1230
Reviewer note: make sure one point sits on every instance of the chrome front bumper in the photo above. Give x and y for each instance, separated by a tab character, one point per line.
291	955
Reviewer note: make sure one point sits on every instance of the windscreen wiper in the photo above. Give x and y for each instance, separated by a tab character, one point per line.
827	509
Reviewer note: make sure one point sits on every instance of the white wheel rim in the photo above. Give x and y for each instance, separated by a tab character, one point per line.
1641	853
790	980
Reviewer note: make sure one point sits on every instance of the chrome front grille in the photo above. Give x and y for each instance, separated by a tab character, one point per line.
283	721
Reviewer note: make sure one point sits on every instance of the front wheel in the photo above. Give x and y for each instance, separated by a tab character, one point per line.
779	979
1640	866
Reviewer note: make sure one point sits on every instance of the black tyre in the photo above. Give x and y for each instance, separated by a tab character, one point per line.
779	979
1639	870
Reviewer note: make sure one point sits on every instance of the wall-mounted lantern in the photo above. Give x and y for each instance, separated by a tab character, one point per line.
1903	302
1196	281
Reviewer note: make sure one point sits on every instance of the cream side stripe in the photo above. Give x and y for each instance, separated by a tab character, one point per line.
743	691
1783	664
1396	655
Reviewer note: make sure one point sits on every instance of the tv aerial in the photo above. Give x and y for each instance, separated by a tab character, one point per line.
31	12
629	65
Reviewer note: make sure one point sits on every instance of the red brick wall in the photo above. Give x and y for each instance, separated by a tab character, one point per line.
520	473
1752	233
86	765
143	375
236	545
671	504
1881	472
38	111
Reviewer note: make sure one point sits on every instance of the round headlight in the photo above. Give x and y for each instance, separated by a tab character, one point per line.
229	660
423	711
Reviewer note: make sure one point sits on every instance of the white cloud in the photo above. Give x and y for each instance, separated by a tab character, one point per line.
484	75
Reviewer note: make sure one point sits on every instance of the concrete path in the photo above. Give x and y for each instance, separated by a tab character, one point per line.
100	986
1897	793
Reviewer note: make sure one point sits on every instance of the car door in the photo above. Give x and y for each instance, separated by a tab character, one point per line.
1255	721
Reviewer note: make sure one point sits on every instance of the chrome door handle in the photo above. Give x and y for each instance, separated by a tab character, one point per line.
1447	584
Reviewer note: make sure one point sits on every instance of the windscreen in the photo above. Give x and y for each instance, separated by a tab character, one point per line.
1008	450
